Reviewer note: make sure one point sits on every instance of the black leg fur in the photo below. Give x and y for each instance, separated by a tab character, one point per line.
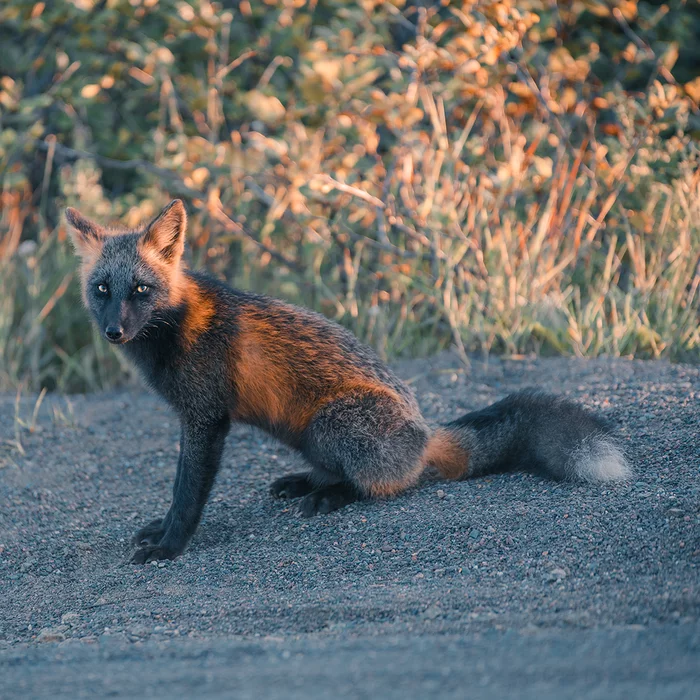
151	534
201	449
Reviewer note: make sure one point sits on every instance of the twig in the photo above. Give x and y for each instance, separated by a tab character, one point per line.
381	219
644	46
223	72
355	191
387	247
48	168
270	70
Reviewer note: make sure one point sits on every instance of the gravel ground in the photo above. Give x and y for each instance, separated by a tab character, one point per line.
502	585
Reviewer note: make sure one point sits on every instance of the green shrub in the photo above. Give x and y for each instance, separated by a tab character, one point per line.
507	177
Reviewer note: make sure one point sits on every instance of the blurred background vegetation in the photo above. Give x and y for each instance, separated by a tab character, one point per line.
507	177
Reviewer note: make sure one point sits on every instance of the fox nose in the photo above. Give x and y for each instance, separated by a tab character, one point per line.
114	332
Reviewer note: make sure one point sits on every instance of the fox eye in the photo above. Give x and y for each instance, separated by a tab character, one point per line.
102	288
142	288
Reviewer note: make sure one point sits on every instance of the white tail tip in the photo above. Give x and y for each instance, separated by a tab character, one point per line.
599	459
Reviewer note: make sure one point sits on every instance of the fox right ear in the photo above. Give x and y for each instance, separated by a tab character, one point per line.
166	235
87	236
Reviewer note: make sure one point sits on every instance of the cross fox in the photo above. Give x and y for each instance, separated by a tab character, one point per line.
218	355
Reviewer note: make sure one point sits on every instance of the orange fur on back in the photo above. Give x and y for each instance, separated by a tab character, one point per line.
444	452
264	386
284	381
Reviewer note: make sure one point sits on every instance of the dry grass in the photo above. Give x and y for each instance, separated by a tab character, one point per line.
467	199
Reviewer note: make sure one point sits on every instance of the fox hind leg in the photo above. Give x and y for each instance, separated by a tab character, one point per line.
303	483
370	442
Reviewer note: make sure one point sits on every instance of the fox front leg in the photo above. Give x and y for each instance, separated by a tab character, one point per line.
201	445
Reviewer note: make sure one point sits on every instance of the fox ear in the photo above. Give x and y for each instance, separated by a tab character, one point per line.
166	235
87	236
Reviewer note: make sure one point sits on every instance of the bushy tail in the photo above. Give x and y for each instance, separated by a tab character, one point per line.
531	431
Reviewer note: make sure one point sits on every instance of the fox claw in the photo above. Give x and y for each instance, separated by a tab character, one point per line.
152	553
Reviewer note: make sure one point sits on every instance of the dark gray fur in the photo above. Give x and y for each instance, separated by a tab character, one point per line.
540	432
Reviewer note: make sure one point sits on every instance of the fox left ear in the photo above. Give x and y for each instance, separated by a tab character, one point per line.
87	236
166	234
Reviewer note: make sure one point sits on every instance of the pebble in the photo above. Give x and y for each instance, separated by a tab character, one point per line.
49	634
27	564
432	612
556	575
69	618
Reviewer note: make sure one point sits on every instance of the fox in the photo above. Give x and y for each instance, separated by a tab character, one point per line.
219	355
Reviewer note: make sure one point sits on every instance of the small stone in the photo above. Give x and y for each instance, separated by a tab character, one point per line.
69	618
386	548
50	635
441	493
556	575
432	612
475	534
27	564
71	641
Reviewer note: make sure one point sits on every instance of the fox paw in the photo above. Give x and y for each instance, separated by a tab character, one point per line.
149	535
291	486
327	499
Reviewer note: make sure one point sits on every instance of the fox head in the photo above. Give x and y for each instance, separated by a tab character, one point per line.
130	278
